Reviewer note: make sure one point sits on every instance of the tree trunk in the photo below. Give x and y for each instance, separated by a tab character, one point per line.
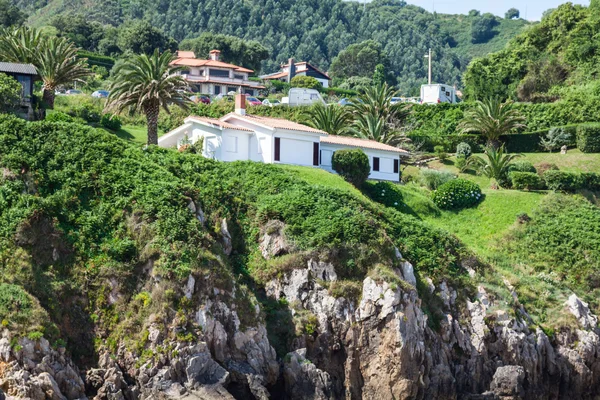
48	97
494	143
152	111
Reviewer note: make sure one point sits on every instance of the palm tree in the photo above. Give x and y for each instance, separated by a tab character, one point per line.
54	58
147	83
376	118
332	119
492	119
495	166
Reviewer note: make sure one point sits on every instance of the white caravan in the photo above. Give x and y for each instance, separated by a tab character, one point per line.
302	97
437	93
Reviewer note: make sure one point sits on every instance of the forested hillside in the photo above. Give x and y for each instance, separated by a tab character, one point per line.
311	30
558	58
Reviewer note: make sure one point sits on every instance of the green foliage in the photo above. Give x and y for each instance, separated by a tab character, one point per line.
111	122
359	59
142	37
301	81
440	153
147	84
457	194
58	116
461	163
433	179
379	75
386	193
562	238
556	138
525	180
10	15
482	28
512	13
332	119
246	53
78	29
492	119
496	164
15	304
562	181
463	149
522	166
353	165
588	138
10	93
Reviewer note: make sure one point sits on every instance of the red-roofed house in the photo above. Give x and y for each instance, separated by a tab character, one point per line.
241	137
213	76
304	68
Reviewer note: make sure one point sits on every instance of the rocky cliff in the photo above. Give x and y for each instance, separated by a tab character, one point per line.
379	347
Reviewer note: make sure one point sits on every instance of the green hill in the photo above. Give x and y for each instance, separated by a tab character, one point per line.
309	30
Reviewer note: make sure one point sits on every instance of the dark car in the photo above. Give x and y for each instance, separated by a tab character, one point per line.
200	99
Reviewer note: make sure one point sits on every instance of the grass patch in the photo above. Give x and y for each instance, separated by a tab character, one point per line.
131	133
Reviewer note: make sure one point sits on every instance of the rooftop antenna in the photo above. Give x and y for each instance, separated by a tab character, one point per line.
428	56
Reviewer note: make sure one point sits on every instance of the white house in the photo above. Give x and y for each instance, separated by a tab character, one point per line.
213	76
238	136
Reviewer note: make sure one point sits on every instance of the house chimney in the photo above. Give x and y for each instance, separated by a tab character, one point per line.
214	55
240	104
291	70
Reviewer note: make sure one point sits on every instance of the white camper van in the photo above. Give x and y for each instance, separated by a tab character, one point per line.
302	97
437	93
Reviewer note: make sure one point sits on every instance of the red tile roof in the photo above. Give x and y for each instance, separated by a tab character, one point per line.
356	142
194	62
219	123
276	76
277	123
185	54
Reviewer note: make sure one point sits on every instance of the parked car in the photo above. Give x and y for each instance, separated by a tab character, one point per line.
101	94
271	102
253	101
60	92
344	102
73	91
396	100
200	99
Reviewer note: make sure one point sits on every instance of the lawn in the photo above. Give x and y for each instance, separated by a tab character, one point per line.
132	133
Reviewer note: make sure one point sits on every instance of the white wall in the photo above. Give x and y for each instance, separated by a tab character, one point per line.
234	145
386	161
296	148
261	147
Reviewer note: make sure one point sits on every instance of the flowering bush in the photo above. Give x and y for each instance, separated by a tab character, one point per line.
386	193
457	194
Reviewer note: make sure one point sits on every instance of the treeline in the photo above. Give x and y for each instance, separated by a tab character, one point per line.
275	30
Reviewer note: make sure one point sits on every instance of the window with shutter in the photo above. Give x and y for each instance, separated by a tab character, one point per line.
277	149
396	166
316	154
375	163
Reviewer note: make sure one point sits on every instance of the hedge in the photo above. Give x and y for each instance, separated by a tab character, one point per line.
97	59
525	180
588	138
570	181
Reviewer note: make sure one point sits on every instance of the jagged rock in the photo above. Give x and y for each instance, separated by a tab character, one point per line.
203	370
321	270
190	287
581	311
303	380
408	273
508	382
47	383
227	242
197	211
273	242
256	385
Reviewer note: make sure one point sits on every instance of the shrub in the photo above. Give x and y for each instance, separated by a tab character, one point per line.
461	163
563	181
543	167
433	179
556	138
88	111
525	180
457	194
307	82
588	138
58	116
522	166
463	149
590	180
440	152
111	122
352	165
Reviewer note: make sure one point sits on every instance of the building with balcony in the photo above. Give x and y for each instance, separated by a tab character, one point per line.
213	76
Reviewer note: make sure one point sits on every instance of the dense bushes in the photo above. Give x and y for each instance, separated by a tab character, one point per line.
112	122
570	181
432	178
522	166
457	194
353	165
58	116
463	149
588	138
525	180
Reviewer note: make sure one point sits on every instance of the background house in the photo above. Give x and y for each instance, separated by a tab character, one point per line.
238	137
214	77
287	73
26	75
